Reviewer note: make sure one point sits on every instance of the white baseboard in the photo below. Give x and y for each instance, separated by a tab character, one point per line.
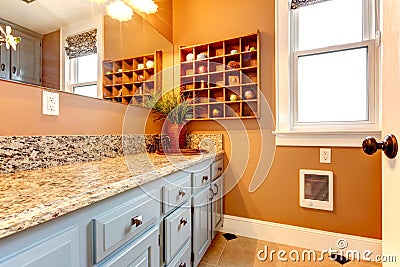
297	236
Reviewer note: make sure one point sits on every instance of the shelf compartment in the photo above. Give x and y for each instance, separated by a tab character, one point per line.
233	110
200	112
248	42
232	44
217	95
249	109
216	49
249	59
216	110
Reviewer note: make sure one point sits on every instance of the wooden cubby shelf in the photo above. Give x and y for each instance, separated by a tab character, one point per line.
222	78
131	80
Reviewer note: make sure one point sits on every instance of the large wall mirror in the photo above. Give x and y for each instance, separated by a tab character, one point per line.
115	70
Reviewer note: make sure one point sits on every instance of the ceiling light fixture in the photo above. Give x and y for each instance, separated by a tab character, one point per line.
146	6
119	10
122	9
8	38
28	1
99	2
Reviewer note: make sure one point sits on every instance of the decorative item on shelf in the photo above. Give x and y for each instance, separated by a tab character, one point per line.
189	72
119	80
249	94
220	67
203	84
233	97
119	70
233	80
252	49
219	98
190	57
234	51
216	113
175	110
202	69
150	64
8	38
140	66
201	56
220	83
233	64
140	78
246	48
108	72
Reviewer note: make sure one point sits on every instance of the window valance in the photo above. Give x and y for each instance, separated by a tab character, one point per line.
81	44
300	3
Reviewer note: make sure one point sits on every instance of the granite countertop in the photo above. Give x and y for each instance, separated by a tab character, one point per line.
28	198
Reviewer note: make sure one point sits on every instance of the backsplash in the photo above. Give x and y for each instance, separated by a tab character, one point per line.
20	153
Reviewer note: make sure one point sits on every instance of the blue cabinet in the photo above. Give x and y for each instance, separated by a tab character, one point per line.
61	250
142	252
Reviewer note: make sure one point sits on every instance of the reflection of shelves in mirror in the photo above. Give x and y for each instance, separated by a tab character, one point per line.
120	77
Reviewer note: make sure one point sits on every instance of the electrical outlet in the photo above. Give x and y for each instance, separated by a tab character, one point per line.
50	103
325	155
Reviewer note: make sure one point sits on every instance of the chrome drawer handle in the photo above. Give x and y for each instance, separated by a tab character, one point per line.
137	220
216	186
182	193
182	264
183	221
212	194
205	178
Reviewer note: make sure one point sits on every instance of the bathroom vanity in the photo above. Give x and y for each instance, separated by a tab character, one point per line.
141	210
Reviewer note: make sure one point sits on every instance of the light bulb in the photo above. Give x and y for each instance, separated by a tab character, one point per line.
119	10
99	2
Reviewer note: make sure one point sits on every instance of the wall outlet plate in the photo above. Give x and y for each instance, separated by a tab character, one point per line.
50	103
325	155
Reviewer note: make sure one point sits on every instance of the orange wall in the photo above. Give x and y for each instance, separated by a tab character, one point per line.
357	197
22	115
51	60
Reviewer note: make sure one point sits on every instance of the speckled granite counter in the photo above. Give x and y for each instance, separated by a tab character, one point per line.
28	198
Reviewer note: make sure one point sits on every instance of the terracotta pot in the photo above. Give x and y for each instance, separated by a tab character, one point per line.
177	134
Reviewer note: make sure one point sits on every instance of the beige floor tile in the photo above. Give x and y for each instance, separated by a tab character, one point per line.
242	252
234	255
202	264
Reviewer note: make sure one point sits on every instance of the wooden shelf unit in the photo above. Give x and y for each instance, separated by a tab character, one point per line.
210	81
125	82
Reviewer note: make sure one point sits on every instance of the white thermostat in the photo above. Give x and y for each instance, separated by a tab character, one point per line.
316	189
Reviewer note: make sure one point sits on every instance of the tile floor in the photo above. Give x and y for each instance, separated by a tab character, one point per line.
242	251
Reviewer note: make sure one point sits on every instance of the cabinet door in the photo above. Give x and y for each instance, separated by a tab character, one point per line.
4	62
62	250
217	205
142	252
201	224
26	60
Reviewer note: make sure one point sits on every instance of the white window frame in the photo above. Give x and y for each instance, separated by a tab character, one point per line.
288	130
95	22
73	75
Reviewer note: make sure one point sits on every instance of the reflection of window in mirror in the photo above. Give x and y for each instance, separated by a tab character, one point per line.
84	75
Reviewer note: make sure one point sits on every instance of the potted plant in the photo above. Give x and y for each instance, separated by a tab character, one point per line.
176	110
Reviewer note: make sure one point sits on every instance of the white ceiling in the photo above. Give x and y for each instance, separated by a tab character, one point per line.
45	16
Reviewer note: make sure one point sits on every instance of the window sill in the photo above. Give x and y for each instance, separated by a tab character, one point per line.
342	138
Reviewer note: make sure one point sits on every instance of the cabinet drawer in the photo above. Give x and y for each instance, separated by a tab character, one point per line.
217	168
183	257
117	226
200	179
176	193
177	232
142	252
61	250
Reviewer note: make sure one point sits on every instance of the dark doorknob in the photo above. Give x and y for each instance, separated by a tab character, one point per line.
388	145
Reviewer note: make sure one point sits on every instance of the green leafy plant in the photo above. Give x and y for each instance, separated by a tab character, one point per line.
171	106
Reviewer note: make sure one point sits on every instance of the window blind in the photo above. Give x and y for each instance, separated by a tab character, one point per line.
81	44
